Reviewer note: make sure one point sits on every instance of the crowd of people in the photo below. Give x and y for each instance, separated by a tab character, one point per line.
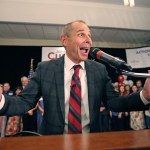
120	121
109	121
28	122
76	91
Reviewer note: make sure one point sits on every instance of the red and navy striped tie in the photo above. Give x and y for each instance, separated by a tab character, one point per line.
74	116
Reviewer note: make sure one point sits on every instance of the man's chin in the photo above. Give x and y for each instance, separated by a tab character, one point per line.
84	58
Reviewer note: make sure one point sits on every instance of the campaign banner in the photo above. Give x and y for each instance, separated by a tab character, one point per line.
50	53
138	57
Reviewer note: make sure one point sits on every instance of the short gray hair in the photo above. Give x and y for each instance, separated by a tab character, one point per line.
68	27
24	77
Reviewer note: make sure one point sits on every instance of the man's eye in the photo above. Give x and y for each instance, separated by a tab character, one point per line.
81	35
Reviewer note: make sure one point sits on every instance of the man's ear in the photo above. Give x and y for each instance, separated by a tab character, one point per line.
63	39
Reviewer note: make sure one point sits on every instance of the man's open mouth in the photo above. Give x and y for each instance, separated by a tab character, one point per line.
84	49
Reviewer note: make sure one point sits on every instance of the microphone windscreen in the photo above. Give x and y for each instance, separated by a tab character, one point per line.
93	52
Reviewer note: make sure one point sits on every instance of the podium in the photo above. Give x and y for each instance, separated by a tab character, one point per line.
122	140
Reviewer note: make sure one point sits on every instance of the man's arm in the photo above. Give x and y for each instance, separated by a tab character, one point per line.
1	91
145	101
2	99
133	102
146	89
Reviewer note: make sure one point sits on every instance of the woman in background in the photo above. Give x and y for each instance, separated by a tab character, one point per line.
14	123
40	113
117	120
127	114
1	117
137	121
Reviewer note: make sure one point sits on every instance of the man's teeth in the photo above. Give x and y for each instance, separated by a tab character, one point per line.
86	49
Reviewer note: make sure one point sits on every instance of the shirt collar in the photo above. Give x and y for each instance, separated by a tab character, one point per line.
69	64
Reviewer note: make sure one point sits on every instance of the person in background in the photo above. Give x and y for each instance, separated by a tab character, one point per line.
127	114
14	124
137	121
146	112
30	117
54	80
147	118
104	118
1	120
7	90
127	90
24	81
117	118
139	85
116	87
1	117
40	113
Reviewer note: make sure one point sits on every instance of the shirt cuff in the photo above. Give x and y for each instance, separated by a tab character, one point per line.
2	102
145	101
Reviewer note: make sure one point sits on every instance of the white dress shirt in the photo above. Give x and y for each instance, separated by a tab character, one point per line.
68	72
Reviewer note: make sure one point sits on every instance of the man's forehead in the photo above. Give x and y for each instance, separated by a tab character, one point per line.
80	26
82	30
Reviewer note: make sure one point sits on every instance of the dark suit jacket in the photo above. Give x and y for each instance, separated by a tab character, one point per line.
48	81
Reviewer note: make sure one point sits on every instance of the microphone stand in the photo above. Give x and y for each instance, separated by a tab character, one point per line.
127	70
134	74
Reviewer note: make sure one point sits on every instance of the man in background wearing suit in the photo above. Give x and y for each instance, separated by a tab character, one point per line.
6	89
52	80
30	118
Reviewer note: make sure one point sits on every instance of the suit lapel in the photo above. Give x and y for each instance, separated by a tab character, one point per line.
91	87
59	74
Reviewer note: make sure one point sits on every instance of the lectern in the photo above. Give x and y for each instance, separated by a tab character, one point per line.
122	140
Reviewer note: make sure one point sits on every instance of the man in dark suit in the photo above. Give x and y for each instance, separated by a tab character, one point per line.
30	118
52	81
6	89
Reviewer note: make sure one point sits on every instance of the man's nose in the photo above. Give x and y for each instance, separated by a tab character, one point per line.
88	39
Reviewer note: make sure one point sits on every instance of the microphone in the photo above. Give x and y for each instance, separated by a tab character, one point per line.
114	62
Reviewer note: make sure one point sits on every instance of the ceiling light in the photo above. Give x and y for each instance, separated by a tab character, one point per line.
126	2
132	4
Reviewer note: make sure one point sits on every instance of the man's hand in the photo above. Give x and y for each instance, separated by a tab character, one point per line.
30	112
102	109
146	89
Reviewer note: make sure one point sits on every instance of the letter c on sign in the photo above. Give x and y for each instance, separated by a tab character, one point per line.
51	55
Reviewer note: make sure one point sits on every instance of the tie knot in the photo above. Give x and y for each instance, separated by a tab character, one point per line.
76	69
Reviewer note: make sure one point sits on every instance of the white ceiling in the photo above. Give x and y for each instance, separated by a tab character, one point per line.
138	3
52	32
43	31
